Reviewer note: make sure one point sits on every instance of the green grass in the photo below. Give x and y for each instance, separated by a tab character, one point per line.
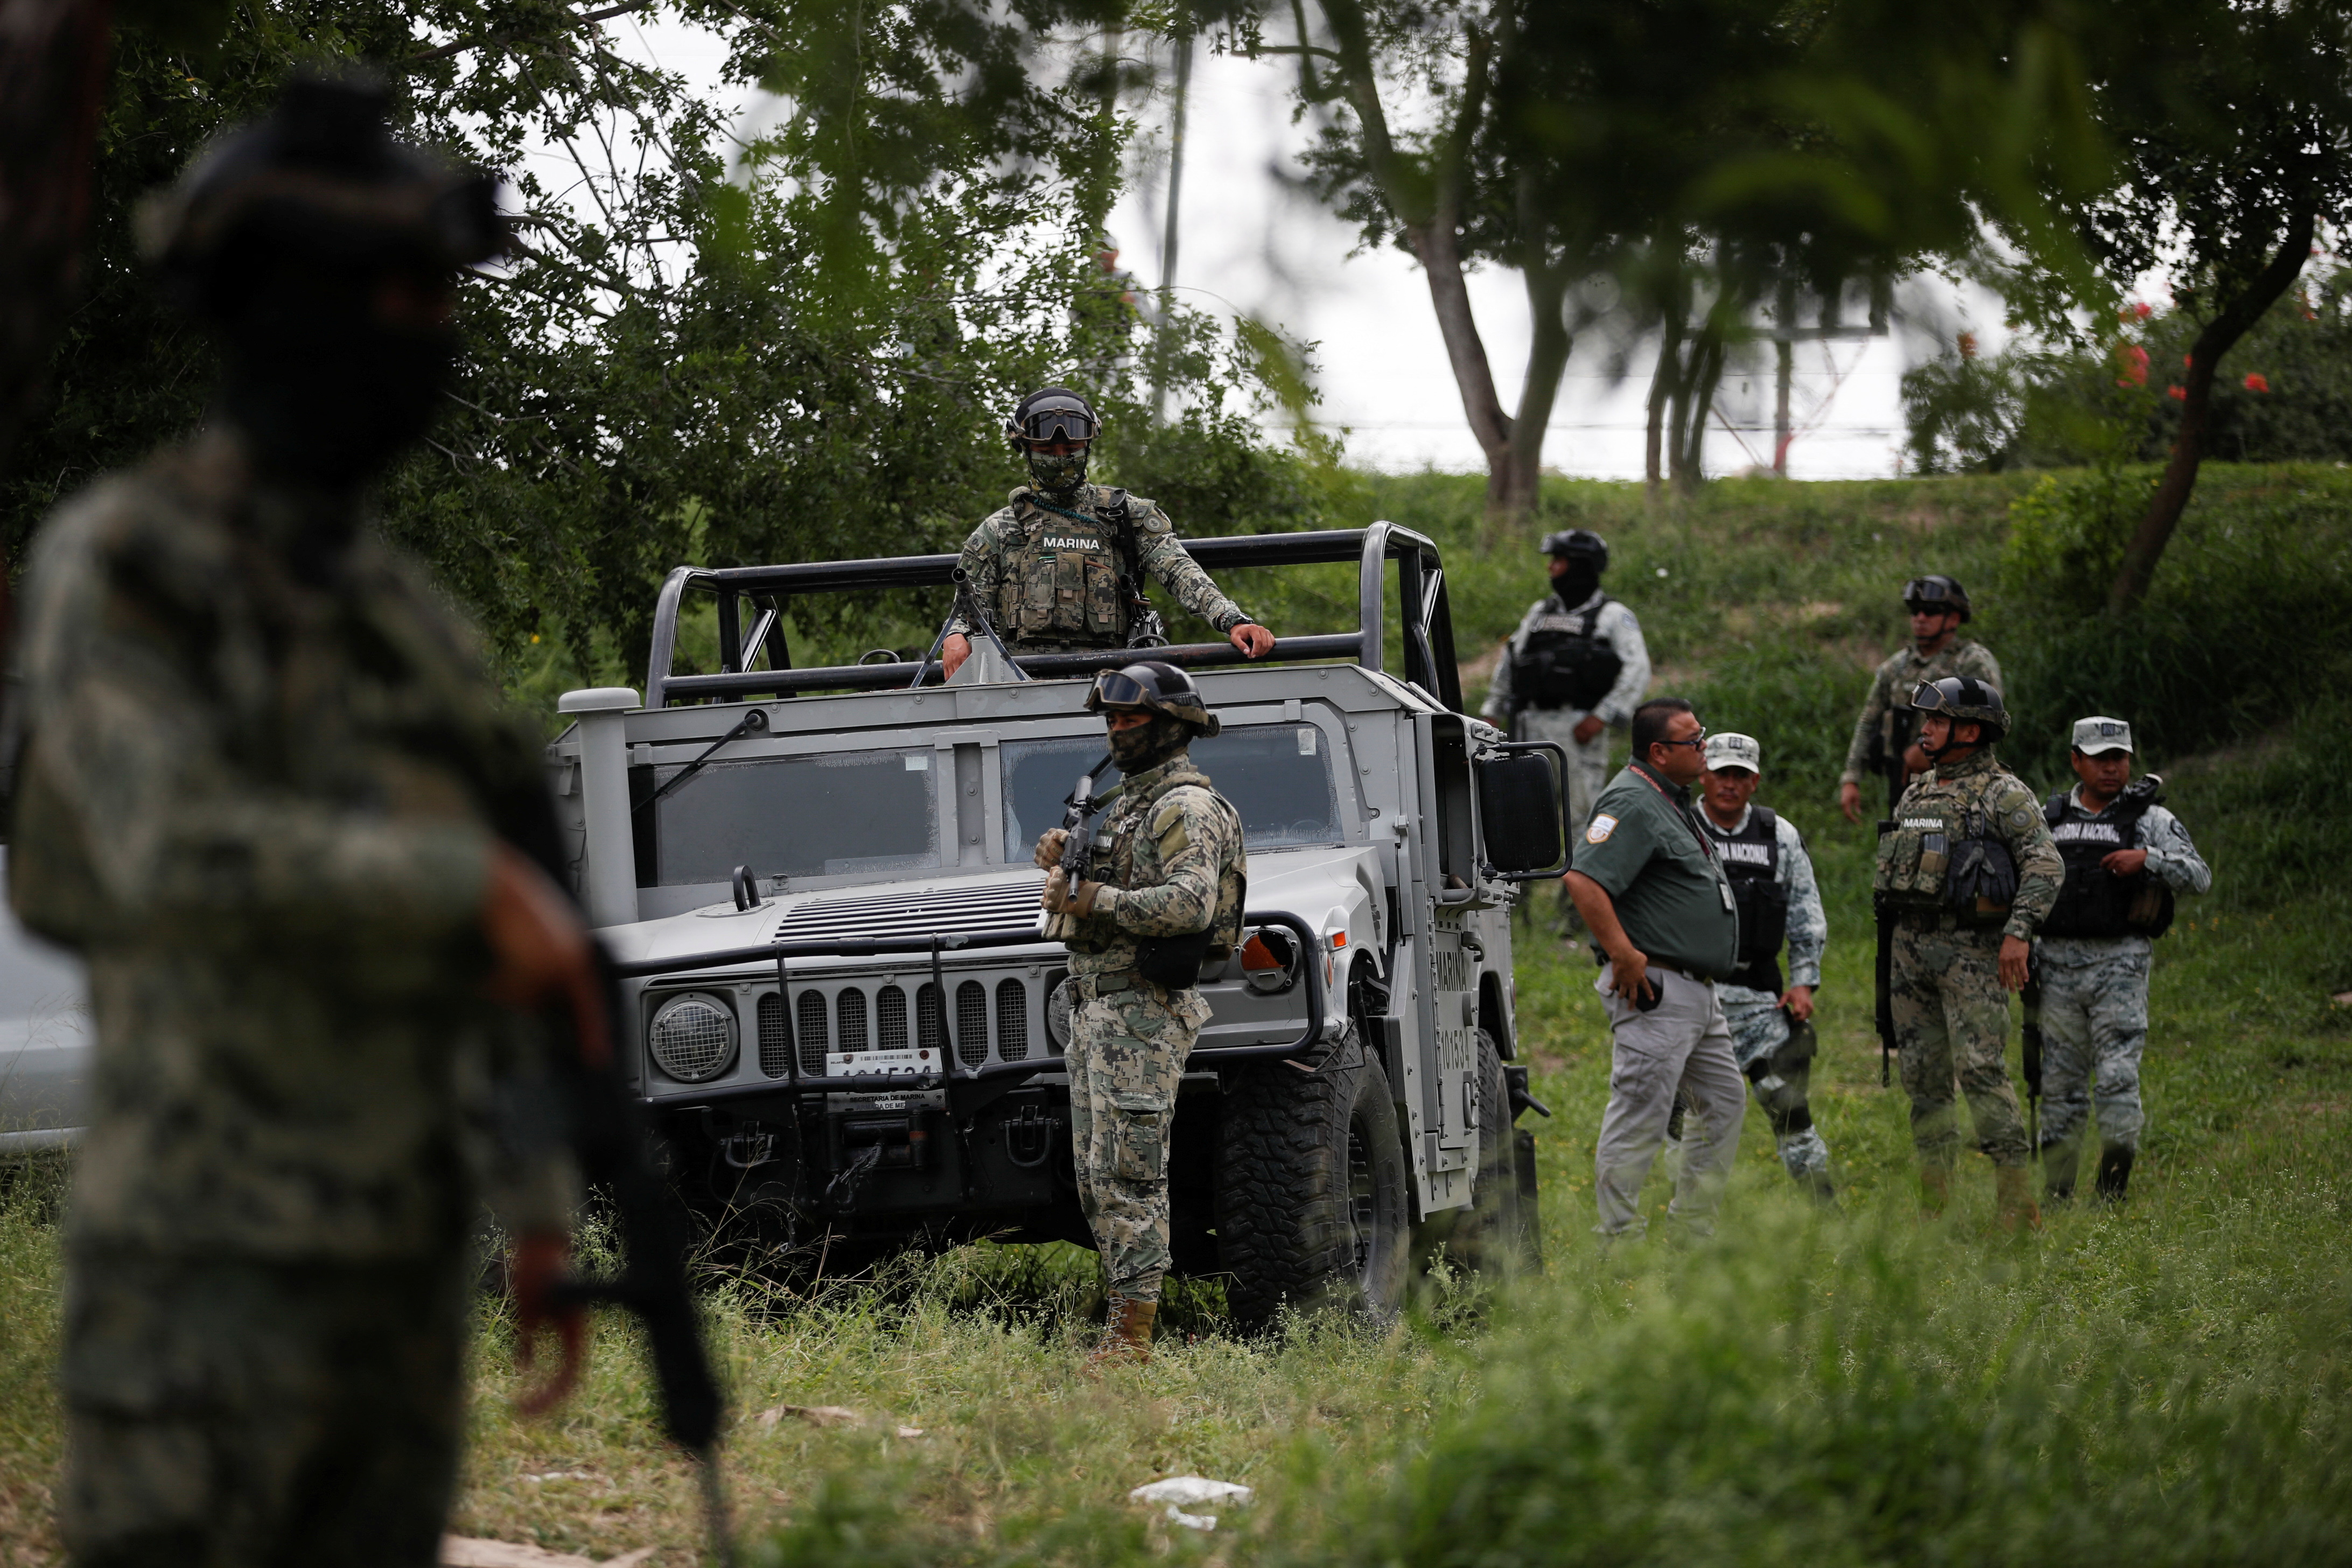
2164	1383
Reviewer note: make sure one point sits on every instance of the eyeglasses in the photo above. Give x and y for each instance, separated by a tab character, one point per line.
1696	740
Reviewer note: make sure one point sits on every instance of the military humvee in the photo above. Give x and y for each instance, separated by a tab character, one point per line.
817	887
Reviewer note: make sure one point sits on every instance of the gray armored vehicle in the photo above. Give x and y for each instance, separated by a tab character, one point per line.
817	885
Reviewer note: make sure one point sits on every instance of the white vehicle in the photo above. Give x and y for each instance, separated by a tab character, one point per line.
45	1040
817	885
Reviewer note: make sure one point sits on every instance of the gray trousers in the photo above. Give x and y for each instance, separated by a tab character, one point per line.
1681	1044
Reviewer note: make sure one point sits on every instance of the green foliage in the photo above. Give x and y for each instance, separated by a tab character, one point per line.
800	347
2067	536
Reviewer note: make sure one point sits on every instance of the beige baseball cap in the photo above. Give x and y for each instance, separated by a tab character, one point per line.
2098	735
1734	750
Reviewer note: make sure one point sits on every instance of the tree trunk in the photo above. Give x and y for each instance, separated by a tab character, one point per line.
1694	400
1514	487
52	82
2219	335
1664	383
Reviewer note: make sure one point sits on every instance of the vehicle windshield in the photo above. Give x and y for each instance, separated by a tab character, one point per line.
829	815
1278	777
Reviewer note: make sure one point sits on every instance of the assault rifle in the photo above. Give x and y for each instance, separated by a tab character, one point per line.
1883	974
1078	830
1894	736
608	1139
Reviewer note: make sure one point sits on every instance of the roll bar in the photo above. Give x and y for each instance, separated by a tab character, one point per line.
765	591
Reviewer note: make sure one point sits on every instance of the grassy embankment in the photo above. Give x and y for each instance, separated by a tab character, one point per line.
2164	1383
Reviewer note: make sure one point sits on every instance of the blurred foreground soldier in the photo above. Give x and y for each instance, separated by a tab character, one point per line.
263	795
1576	666
1148	899
1968	871
2125	856
1885	742
1772	881
1060	567
1650	884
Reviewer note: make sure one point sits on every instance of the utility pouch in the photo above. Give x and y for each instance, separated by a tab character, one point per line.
1173	962
1982	882
1139	1137
1790	1055
1935	856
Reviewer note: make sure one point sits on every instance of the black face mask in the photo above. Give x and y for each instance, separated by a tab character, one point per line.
1576	584
325	391
1143	747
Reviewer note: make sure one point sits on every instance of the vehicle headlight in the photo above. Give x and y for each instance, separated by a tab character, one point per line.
1061	1008
693	1038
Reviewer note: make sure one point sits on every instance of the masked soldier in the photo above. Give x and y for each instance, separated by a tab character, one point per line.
1160	893
1060	567
1883	744
263	794
2125	856
1576	666
1968	871
1772	880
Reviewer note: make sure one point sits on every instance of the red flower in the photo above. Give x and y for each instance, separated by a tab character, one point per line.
2258	381
2134	361
1968	345
2179	394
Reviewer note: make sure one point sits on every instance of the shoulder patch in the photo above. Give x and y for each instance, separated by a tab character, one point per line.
1147	517
1599	830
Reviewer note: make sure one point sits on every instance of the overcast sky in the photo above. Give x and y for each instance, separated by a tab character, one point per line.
1250	244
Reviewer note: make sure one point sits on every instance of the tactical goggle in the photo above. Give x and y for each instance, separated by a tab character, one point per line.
1921	592
1117	689
1929	698
1058	419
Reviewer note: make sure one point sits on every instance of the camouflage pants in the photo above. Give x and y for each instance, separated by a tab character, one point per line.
1126	1058
1952	1024
2094	1028
1782	1091
236	1412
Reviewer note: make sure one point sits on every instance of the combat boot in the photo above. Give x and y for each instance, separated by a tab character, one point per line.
1935	1190
2061	1160
2014	1205
2115	1171
1127	1341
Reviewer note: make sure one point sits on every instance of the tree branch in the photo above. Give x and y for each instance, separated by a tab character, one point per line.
2219	335
578	20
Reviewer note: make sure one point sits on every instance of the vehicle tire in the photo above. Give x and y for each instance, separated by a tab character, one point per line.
1498	1236
1311	1202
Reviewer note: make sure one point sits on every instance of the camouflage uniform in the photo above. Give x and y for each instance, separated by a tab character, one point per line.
1951	1015
1588	760
1169	859
1757	1023
1051	581
1890	688
258	797
2095	1007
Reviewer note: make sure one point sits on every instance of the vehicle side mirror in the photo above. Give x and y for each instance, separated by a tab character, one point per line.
1521	815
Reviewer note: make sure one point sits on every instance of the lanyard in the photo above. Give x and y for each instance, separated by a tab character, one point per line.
1681	815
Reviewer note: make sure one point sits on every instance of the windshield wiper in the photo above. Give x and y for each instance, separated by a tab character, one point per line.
755	722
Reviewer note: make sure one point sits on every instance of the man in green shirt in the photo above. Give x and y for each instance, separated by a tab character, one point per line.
1653	893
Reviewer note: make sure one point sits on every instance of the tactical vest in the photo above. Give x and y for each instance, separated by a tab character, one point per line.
1941	856
1173	961
1063	576
1751	858
1563	662
2093	900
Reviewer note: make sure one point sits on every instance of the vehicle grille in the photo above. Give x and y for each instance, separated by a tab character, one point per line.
890	1018
811	1008
1012	1020
775	1059
971	1023
851	1017
849	1012
947	910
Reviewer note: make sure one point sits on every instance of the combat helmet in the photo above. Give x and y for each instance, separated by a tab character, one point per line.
1153	686
1937	593
1964	697
1052	413
1578	545
323	175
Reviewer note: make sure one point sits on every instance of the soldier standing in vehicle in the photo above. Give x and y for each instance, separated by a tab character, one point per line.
1059	568
1651	890
1576	666
1968	871
1883	742
264	793
1160	892
1772	882
2125	856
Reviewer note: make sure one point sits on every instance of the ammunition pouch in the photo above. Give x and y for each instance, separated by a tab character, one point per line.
1173	962
1982	881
